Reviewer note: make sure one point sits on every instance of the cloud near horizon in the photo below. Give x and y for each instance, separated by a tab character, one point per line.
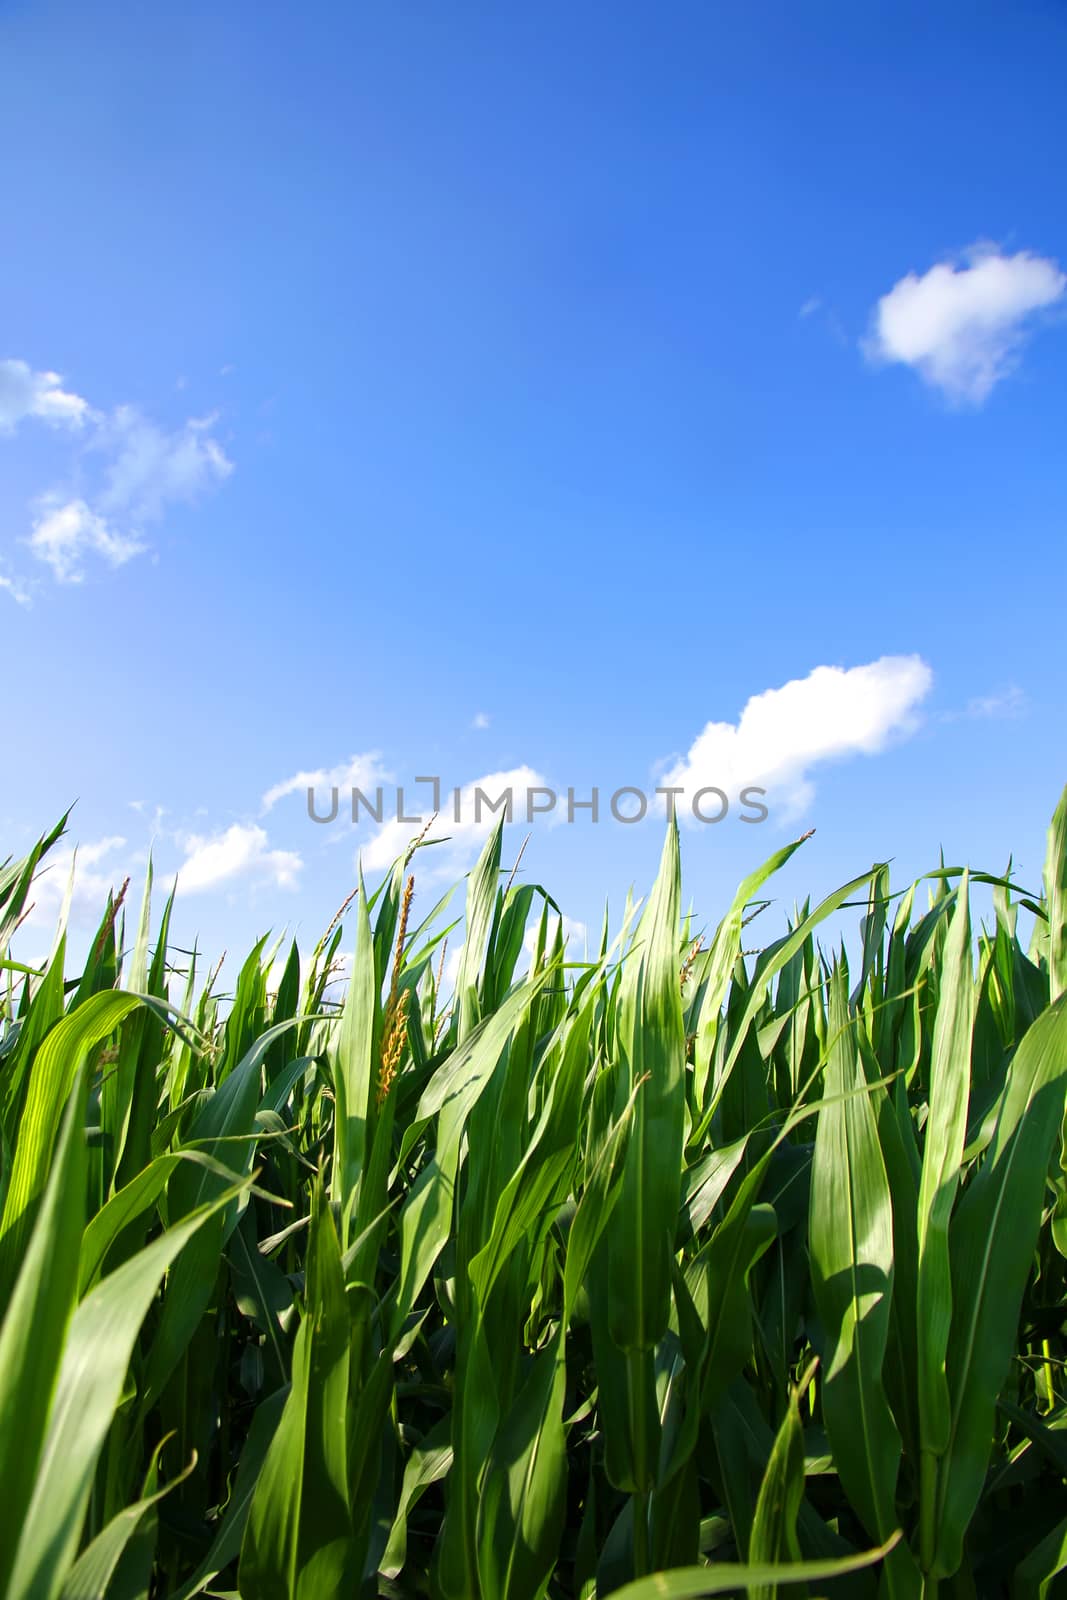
961	328
240	854
476	822
93	881
784	733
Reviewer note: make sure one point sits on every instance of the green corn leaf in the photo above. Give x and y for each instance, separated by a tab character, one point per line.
54	1070
16	879
991	1241
35	1326
355	1067
428	1463
450	1096
1034	1576
772	963
945	1133
226	1545
712	974
222	1130
298	1541
851	1247
138	1196
774	1527
642	1230
96	1355
690	1583
523	1498
481	904
91	1574
1056	899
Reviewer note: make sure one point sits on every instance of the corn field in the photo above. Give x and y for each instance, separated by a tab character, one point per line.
702	1265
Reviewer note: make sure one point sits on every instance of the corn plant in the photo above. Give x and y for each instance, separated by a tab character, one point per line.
690	1268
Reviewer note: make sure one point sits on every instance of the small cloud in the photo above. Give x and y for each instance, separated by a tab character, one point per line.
450	972
15	589
476	822
93	881
152	468
782	734
825	315
63	535
481	721
40	395
961	327
143	469
358	772
575	937
240	852
1010	702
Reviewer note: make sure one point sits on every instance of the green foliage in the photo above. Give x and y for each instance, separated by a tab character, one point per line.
684	1270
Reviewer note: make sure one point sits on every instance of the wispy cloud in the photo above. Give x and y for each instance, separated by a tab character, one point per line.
961	327
820	313
18	592
127	470
1005	703
152	467
480	721
63	535
783	734
363	772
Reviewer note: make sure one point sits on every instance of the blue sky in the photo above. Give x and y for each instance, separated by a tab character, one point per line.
587	370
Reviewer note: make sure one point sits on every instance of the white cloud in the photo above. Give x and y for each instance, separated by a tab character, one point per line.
475	823
575	937
1010	702
450	971
358	772
93	880
40	395
961	327
15	589
783	733
811	305
128	472
152	468
64	534
481	721
240	852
